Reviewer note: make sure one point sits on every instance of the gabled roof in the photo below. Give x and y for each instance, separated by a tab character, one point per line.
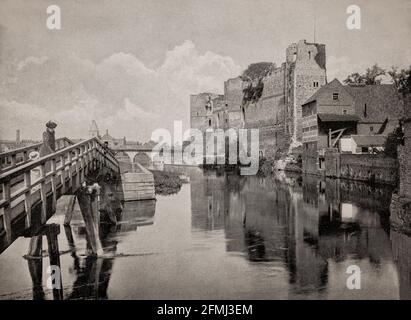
333	117
382	101
372	103
369	141
324	94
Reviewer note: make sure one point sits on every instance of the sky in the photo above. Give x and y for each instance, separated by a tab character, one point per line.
132	64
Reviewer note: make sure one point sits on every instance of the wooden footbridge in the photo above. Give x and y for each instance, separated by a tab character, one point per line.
30	189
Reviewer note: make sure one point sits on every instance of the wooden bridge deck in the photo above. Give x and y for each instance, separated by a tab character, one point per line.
30	190
13	158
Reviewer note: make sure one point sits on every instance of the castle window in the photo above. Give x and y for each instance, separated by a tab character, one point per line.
335	96
344	111
309	54
365	110
209	122
371	129
315	84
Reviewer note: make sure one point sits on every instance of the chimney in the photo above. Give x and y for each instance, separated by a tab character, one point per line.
18	141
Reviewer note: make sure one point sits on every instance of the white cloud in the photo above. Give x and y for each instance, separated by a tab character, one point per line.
121	93
338	67
31	60
26	117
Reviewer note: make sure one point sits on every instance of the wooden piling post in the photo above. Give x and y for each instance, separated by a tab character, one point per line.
87	199
52	232
69	211
35	265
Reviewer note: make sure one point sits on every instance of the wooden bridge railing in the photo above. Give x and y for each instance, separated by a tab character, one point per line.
16	157
44	181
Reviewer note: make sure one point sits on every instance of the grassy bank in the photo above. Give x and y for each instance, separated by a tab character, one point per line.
166	182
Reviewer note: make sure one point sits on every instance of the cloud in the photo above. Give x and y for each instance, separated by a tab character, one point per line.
339	67
31	60
14	114
120	92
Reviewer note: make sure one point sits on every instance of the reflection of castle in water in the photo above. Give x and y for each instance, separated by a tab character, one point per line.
303	225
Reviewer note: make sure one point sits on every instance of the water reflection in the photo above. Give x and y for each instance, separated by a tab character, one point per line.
224	236
92	274
310	226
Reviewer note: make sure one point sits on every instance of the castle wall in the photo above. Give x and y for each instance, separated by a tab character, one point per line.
309	74
201	110
278	113
219	114
361	167
269	115
233	95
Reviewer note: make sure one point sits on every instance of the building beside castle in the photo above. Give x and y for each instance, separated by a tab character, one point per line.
347	120
277	114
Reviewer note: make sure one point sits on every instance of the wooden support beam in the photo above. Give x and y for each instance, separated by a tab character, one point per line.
52	232
63	170
7	210
69	210
53	185
36	266
27	198
89	209
43	193
35	246
69	170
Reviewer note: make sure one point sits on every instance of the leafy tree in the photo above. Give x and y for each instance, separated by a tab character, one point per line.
254	75
368	78
394	139
257	71
401	79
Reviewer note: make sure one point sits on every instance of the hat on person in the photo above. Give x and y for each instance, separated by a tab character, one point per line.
51	124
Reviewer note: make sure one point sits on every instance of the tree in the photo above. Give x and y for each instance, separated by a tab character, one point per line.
254	75
257	71
368	78
401	79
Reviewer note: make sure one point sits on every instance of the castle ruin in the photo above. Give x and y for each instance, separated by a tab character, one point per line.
277	114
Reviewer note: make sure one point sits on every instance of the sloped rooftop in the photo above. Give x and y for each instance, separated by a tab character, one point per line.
369	140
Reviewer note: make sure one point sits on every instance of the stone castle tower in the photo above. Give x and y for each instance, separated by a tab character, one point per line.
277	114
305	71
202	110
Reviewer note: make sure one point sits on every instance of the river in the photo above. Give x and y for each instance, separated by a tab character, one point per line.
223	236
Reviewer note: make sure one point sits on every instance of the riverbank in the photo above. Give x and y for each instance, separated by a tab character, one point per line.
166	183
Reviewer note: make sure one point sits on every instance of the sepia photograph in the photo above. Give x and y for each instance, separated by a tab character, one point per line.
218	151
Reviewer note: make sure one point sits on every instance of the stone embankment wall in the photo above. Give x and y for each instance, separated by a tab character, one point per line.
401	200
361	167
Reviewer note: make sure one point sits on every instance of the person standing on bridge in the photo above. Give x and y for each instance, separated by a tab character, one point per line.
49	139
